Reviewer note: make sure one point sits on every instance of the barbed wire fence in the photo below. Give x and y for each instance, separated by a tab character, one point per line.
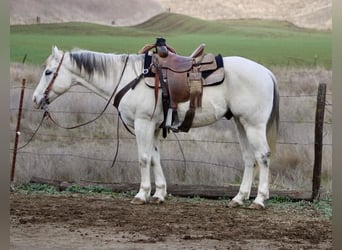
51	151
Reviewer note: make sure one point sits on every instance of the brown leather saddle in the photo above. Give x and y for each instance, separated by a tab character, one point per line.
181	79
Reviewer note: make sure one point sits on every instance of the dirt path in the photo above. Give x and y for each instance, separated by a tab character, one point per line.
102	222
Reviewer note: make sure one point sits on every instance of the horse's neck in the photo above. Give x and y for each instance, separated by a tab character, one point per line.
117	71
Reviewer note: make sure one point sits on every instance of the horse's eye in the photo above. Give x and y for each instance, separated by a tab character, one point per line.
48	72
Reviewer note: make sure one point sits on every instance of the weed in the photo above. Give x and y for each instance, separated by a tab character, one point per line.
196	198
88	189
127	194
279	199
37	188
324	206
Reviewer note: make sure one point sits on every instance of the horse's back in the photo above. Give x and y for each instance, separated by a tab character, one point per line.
250	87
245	67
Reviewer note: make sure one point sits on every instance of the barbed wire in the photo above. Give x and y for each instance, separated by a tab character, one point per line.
129	161
109	114
111	139
90	92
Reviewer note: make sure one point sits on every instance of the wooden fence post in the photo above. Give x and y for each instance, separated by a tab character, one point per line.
320	107
17	131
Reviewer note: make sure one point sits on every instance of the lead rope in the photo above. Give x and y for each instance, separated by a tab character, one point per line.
34	133
117	141
117	129
182	151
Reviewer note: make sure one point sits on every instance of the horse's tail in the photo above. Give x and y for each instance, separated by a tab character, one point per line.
273	120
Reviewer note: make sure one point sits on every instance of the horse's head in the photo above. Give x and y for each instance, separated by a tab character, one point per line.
54	81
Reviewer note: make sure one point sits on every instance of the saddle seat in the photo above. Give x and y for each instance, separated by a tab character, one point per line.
175	62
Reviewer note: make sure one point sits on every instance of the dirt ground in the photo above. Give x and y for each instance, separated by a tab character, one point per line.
78	221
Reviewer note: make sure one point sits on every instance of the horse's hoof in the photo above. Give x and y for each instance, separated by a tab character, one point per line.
234	204
138	201
156	200
256	206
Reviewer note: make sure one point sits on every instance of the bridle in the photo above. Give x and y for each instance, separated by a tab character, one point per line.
46	99
46	102
49	87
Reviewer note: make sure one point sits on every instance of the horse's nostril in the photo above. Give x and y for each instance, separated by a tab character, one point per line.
35	100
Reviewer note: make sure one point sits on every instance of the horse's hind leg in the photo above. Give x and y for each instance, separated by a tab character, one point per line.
144	131
257	138
159	178
249	167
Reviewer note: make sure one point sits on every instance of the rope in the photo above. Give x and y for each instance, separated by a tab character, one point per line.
34	133
117	142
181	149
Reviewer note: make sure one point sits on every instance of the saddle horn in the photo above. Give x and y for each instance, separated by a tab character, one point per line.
161	47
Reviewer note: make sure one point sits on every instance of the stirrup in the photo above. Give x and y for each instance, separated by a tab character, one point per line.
169	118
172	124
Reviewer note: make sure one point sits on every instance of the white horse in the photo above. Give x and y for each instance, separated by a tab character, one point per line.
249	92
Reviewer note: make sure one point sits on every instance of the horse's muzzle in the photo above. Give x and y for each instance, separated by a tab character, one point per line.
38	104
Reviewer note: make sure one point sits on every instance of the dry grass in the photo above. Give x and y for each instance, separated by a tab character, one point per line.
31	73
212	154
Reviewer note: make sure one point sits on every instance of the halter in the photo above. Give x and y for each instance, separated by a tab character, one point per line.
46	92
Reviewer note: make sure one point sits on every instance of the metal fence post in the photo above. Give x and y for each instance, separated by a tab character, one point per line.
17	131
319	121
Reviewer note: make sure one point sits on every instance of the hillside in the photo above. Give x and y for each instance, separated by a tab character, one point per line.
108	12
310	14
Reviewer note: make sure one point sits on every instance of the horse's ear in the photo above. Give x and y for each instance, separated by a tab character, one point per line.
54	50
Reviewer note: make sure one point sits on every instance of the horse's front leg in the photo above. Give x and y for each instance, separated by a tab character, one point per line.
160	194
144	131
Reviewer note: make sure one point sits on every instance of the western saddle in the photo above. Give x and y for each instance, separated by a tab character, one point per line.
180	79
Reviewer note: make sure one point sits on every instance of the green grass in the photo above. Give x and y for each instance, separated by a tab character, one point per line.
36	188
323	206
268	42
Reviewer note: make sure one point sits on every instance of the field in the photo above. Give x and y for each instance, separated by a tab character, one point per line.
269	42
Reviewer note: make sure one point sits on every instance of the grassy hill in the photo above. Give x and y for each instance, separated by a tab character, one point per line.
269	42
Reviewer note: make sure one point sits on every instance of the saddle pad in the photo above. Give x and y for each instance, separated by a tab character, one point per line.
208	62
